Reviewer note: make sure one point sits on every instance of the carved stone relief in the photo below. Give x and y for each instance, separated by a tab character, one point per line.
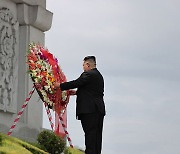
8	60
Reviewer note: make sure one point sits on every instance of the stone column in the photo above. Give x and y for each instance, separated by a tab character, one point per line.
21	22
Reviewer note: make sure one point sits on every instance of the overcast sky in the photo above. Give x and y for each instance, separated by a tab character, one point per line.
137	45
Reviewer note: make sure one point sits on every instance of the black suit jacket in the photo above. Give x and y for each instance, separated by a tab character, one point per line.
90	92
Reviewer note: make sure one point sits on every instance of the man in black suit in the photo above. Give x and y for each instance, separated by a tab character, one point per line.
90	108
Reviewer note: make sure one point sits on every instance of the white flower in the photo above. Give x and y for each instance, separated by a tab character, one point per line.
64	95
47	87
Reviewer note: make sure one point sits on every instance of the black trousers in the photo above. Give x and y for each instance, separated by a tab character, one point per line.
92	125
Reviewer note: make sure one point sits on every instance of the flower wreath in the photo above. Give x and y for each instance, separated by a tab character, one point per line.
45	71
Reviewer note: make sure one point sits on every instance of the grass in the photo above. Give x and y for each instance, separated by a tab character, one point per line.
73	151
12	145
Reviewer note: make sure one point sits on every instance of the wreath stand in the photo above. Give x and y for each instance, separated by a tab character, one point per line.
48	114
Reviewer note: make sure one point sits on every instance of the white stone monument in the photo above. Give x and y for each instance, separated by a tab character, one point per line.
21	22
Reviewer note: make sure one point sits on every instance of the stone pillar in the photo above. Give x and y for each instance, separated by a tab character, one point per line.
21	22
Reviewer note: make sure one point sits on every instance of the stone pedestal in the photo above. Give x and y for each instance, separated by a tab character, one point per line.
21	22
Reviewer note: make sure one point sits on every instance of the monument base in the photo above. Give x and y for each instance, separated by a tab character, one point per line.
24	133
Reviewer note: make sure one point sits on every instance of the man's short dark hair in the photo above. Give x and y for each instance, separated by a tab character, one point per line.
91	58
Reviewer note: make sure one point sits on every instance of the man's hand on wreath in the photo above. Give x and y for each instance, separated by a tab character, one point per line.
72	92
57	85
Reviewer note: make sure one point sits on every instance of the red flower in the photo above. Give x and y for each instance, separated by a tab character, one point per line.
32	66
32	57
39	66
